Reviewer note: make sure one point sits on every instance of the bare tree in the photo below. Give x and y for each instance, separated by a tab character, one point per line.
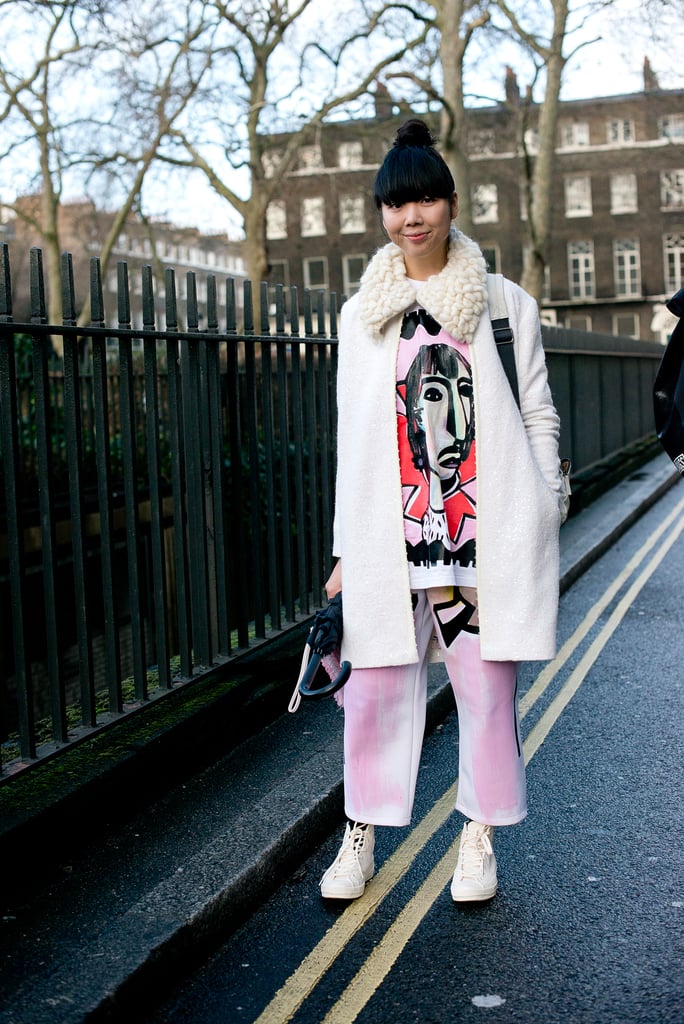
286	79
539	169
88	107
454	24
61	41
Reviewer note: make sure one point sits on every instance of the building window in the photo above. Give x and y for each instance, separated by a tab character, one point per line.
531	140
352	214
674	262
276	220
485	204
313	216
270	161
578	196
316	272
492	258
581	269
482	142
672	189
626	325
620	132
623	193
526	195
573	134
546	285
627	267
671	127
310	158
352	270
278	274
578	323
350	155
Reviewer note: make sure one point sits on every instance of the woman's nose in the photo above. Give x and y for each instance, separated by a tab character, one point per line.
413	213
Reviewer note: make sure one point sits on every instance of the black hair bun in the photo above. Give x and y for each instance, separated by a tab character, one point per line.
414	133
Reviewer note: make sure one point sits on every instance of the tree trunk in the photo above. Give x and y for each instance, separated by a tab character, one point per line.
540	209
256	255
453	141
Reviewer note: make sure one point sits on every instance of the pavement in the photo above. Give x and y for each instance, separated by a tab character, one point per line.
152	895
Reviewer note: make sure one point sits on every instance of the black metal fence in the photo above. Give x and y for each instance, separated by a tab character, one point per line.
167	497
166	494
603	389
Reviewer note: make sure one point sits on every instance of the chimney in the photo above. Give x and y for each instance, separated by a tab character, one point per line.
383	102
650	77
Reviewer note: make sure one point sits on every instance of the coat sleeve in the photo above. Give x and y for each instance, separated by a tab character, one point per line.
542	423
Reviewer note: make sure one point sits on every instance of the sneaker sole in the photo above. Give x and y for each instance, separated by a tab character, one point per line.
353	894
479	897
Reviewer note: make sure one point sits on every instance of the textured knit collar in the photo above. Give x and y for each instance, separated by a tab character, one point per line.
456	297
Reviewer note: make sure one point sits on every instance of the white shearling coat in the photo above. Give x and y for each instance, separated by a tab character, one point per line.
518	474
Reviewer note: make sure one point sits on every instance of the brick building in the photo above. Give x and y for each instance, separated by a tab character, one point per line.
83	229
618	224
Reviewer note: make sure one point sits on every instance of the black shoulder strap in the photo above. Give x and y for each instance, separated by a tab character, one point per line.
503	333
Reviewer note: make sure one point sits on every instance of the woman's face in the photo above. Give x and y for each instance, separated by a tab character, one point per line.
421	230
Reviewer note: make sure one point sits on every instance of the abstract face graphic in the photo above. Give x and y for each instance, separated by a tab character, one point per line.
439	402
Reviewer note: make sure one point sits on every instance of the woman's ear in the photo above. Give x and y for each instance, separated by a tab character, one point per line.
454	206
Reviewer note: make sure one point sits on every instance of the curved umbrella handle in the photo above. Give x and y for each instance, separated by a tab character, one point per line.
307	690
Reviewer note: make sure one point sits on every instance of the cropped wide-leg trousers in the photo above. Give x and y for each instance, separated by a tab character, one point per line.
384	723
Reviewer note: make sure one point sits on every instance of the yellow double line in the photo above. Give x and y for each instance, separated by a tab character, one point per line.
360	990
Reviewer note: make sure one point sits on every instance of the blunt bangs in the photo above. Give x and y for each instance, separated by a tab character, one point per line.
411	173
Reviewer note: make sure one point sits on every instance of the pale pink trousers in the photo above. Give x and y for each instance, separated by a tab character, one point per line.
384	723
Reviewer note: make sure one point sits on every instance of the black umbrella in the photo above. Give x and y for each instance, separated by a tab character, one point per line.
324	639
668	389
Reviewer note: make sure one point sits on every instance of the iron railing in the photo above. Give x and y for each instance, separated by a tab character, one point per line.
167	497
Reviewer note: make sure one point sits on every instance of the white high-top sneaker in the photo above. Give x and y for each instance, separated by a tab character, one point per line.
475	874
354	865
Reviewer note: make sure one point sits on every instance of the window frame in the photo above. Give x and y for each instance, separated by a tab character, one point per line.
354	222
312	216
350	289
672	191
618	203
627	268
486	196
582	269
278	206
577	194
353	160
620	131
306	273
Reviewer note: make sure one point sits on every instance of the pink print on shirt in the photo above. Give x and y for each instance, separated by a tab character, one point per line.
436	432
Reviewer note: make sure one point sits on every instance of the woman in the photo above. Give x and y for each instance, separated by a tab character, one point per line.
447	511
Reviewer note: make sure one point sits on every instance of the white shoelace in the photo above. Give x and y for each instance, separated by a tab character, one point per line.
474	847
351	847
